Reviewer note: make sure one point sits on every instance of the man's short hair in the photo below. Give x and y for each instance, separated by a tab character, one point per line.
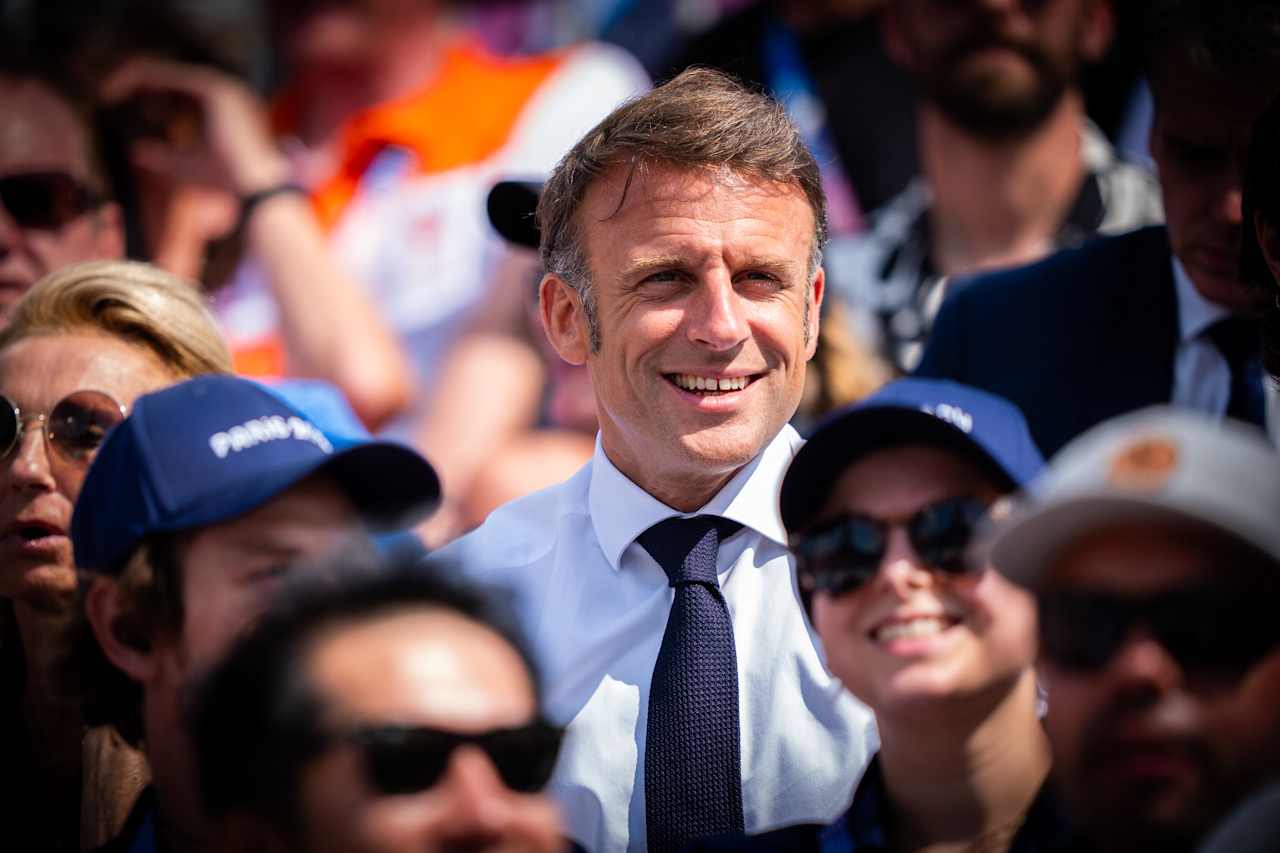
701	119
1238	40
256	718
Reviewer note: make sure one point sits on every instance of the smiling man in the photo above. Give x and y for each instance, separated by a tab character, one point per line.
682	238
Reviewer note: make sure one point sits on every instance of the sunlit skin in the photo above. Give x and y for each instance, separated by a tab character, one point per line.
432	668
1200	139
37	488
1143	753
701	272
956	704
989	641
230	571
40	133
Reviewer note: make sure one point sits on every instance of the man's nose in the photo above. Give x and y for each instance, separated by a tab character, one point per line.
479	802
901	567
1142	665
718	317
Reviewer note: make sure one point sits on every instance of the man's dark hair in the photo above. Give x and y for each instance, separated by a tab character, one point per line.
1262	198
1238	40
256	720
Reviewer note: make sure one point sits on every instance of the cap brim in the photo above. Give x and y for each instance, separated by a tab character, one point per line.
842	441
512	207
390	485
1026	544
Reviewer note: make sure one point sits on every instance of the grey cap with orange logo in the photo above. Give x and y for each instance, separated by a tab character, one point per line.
1157	464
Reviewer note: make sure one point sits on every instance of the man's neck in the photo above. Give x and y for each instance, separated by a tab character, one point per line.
999	202
993	748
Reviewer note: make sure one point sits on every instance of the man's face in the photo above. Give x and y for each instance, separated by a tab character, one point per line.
230	571
700	277
1199	139
421	668
996	68
41	135
1152	747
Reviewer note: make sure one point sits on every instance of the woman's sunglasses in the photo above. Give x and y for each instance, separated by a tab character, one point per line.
73	429
45	201
842	555
409	759
1210	630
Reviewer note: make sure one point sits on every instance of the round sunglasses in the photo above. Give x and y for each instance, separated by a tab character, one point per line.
73	429
843	554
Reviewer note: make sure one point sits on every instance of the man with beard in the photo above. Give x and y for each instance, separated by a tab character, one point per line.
1011	168
1160	315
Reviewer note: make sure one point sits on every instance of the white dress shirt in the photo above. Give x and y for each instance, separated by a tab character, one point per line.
1201	375
595	604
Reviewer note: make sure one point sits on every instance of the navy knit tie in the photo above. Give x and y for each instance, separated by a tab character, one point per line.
692	755
1239	339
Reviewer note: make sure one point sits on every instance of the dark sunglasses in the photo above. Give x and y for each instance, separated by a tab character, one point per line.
45	200
73	429
1206	630
409	759
842	555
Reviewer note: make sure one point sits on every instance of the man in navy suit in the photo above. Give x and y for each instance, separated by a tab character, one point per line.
1156	315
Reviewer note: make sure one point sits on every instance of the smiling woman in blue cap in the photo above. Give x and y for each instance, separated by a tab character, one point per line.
881	507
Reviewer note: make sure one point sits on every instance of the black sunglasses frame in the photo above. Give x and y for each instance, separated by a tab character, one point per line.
47	200
1207	630
410	759
841	555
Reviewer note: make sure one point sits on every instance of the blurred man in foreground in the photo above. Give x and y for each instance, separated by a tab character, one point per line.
383	713
1153	550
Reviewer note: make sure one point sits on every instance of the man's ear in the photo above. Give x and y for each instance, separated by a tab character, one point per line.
564	319
1098	31
127	651
817	290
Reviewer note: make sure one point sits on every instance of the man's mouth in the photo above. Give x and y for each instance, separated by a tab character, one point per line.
709	385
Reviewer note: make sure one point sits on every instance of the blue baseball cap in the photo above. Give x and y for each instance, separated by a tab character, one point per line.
216	447
988	429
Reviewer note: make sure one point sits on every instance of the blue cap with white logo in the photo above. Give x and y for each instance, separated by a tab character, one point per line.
987	429
216	447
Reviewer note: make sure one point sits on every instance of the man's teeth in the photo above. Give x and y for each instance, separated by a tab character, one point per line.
926	626
689	382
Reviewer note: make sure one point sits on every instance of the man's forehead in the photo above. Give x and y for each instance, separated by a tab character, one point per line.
651	187
40	129
1194	100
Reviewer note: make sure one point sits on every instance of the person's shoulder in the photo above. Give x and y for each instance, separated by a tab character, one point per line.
789	839
524	530
1090	265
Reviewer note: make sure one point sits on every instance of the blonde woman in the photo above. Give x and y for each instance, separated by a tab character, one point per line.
82	344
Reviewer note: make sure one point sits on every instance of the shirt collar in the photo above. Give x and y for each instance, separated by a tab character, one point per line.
621	510
1195	313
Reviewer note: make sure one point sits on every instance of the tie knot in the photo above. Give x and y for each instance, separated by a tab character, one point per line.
1238	338
686	548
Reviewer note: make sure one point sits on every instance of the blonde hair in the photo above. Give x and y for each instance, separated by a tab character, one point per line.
134	301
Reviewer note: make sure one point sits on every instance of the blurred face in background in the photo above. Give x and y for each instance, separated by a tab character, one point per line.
1200	140
1157	648
40	478
329	35
996	67
51	214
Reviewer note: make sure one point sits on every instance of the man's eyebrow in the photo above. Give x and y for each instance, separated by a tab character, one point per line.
641	267
781	267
